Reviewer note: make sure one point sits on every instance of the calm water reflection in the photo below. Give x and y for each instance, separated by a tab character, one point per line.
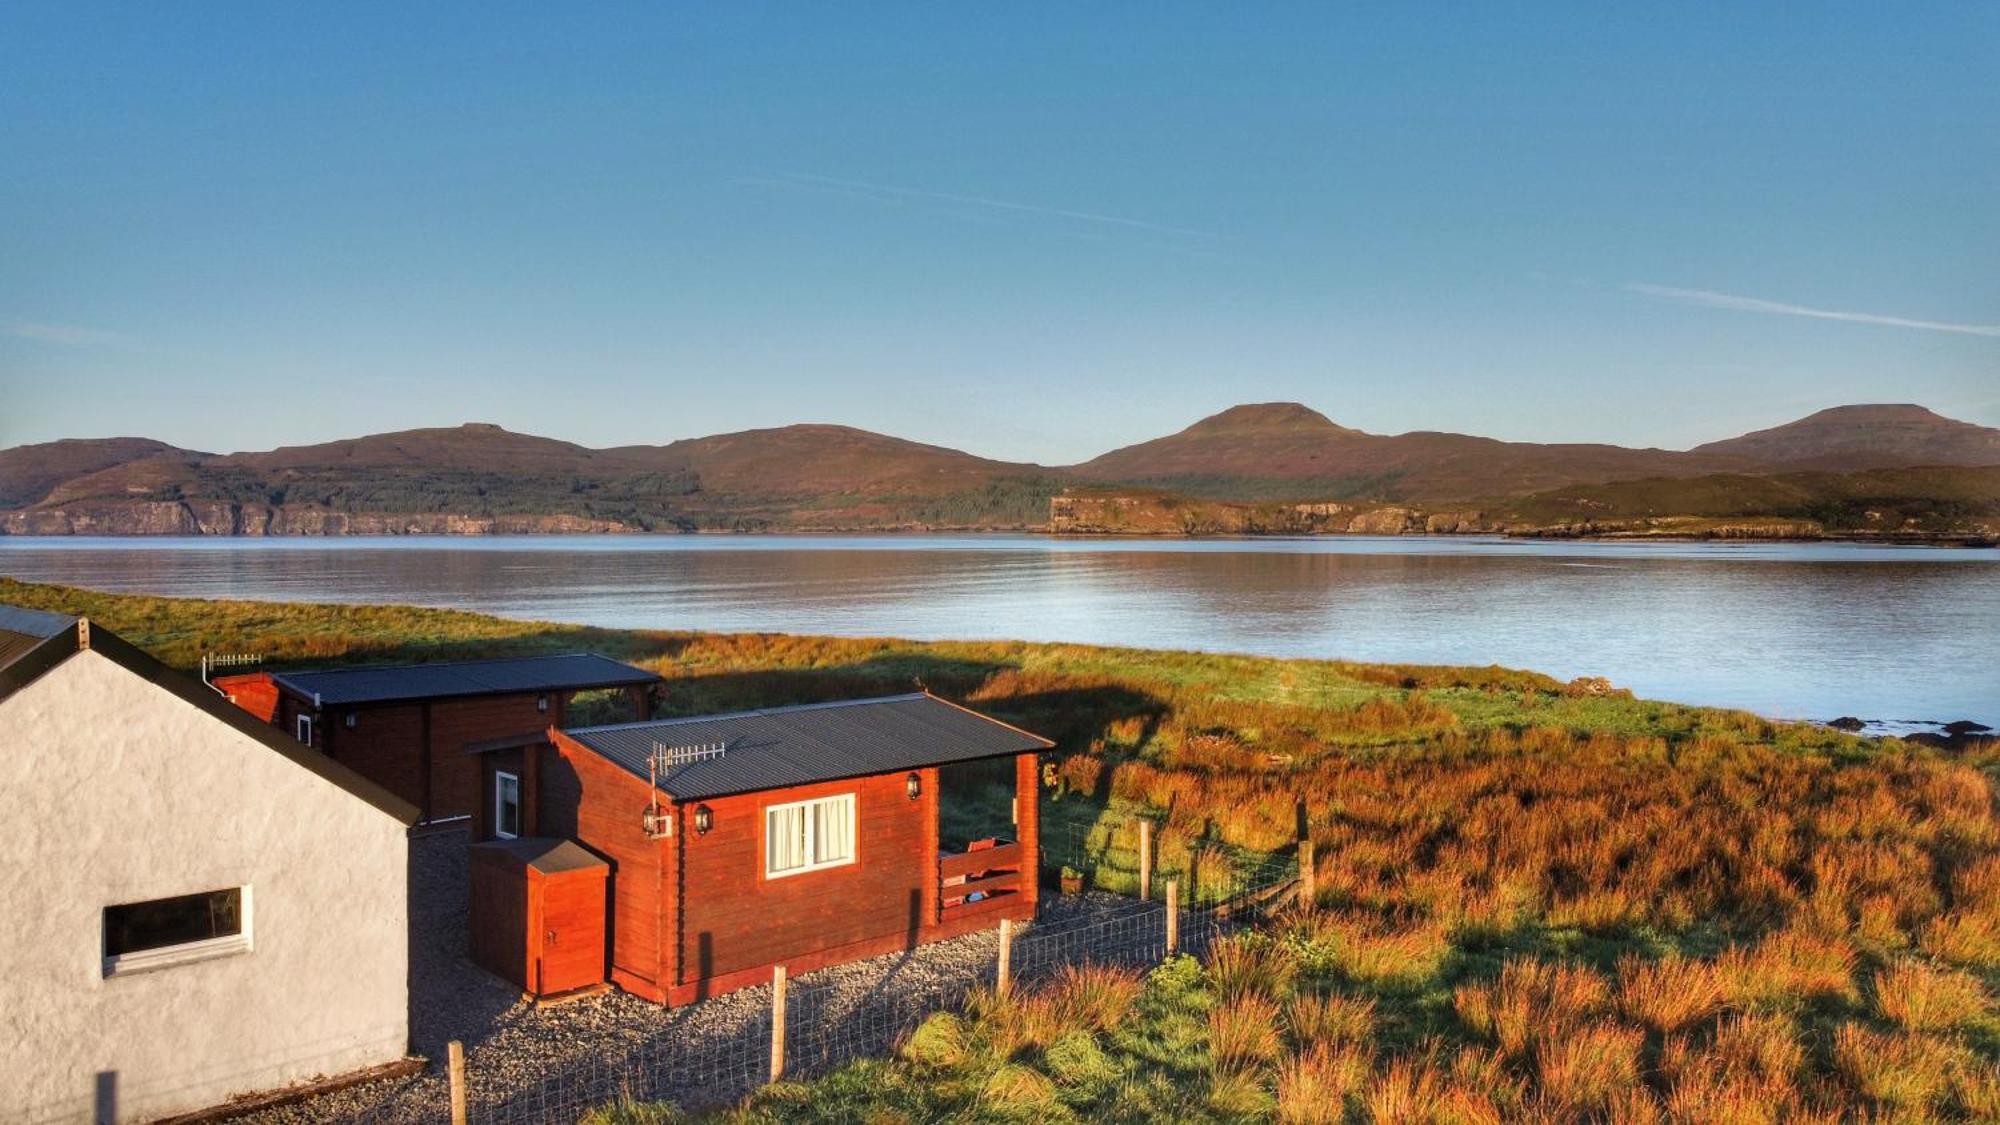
1813	631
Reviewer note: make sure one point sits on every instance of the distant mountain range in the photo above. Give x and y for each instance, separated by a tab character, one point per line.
1888	470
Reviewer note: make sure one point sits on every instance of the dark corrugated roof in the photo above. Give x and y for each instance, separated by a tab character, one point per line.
785	746
24	630
571	671
36	623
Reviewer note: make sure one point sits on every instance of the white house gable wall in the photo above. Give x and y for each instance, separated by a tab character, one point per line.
123	792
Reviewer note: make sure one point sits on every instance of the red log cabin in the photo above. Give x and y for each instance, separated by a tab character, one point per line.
407	727
804	836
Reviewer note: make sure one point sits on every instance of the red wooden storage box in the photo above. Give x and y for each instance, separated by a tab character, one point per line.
537	913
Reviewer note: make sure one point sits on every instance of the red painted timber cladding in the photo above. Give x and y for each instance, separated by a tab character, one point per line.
385	745
498	915
1028	830
566	941
693	915
736	925
585	798
455	723
734	918
387	742
544	932
253	692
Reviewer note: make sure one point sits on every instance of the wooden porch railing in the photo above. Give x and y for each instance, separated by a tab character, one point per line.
975	882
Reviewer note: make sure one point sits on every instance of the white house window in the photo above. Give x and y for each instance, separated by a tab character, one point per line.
305	729
506	805
162	932
807	835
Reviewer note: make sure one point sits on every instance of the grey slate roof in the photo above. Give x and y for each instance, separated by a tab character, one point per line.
786	746
572	671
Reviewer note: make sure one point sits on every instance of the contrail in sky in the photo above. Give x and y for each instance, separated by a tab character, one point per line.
1711	300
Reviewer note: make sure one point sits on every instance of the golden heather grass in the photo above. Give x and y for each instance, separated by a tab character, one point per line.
1409	1091
1963	938
1975	1086
1529	1000
1243	1032
1924	997
1314	1085
1321	1019
1668	994
1893	1069
1371	952
1747	1072
1091	998
1251	965
1789	967
1483	1086
1588	1068
1761	1043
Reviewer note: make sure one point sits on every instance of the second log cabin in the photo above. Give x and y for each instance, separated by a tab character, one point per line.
804	836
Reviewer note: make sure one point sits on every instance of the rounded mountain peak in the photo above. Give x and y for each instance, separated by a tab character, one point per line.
1268	416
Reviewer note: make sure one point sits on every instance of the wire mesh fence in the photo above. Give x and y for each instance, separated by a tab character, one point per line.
830	1023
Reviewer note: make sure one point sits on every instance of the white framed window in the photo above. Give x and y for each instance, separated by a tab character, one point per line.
163	932
304	730
506	804
808	835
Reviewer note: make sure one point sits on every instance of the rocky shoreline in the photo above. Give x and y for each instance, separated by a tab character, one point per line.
1956	736
191	519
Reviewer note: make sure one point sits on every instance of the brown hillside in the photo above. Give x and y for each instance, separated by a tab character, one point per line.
473	447
1878	436
1285	449
28	473
806	460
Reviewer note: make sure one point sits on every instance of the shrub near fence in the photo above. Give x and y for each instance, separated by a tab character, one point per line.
827	1027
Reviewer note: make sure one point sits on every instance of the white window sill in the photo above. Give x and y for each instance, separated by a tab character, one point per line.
770	874
146	961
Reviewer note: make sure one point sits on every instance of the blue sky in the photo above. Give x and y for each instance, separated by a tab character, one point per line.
1033	231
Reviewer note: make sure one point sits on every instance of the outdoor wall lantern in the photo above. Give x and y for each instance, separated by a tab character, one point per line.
703	820
914	786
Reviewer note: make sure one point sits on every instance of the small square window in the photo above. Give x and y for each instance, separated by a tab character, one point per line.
808	835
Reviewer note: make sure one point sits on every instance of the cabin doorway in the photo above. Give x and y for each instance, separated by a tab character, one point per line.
976	804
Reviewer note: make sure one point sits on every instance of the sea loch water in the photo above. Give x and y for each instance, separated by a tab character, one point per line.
1789	630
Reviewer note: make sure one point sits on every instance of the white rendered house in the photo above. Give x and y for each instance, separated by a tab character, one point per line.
198	908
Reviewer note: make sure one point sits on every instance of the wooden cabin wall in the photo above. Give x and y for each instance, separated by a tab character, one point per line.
734	919
585	798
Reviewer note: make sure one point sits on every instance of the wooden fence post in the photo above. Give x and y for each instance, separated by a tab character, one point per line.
1173	916
1308	877
777	1023
455	1069
1145	859
1006	969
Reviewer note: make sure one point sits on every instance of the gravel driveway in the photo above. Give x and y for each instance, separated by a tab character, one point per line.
523	1062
